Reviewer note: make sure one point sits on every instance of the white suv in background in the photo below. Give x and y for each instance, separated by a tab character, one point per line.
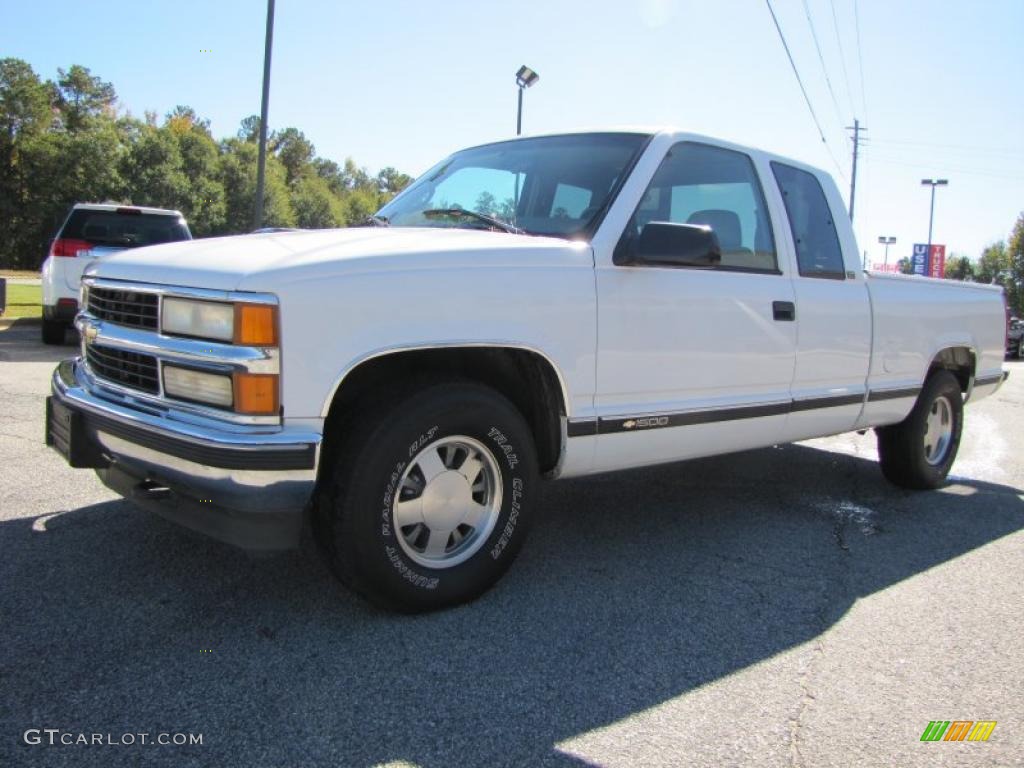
93	231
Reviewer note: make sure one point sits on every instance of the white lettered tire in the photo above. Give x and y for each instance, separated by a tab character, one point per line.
430	498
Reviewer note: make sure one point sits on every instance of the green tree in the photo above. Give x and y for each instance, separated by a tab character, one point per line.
959	267
485	203
152	171
237	168
1015	266
390	182
81	96
315	206
25	114
294	151
249	128
204	201
993	265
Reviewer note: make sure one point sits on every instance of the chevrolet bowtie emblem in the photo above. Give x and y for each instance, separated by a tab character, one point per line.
91	333
629	424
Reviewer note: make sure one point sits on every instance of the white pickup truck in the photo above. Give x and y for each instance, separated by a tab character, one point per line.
552	306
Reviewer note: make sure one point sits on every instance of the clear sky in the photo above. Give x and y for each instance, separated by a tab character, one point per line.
403	83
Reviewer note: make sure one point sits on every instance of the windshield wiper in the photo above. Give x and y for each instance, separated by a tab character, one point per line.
373	220
491	221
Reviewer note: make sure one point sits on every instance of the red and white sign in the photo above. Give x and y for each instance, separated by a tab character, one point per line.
937	261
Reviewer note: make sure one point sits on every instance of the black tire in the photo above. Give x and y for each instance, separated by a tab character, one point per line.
53	331
354	519
901	447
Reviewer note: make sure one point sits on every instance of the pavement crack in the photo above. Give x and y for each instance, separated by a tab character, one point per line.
796	759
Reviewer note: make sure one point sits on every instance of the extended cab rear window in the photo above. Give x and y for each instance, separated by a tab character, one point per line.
818	252
124	229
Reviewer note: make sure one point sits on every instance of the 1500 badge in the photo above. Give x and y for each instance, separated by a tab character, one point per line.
650	421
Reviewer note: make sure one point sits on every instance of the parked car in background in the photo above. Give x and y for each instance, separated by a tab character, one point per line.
94	231
1015	338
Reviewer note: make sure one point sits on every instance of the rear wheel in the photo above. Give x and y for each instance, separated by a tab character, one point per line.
430	499
53	331
918	452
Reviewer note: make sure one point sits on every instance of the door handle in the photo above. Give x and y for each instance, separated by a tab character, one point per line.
784	310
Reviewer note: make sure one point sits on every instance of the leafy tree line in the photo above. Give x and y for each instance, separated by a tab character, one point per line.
64	141
1001	263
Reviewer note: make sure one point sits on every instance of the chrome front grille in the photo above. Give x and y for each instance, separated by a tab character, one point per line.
129	369
131	308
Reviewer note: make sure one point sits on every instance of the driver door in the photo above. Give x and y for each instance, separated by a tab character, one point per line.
695	360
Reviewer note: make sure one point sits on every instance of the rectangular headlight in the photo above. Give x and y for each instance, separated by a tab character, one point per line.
203	319
187	384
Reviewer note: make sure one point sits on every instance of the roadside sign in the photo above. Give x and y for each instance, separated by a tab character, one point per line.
937	261
929	264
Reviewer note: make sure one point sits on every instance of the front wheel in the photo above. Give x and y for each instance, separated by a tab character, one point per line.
918	452
430	499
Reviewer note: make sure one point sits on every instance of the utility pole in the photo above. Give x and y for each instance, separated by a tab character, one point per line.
856	128
261	164
933	183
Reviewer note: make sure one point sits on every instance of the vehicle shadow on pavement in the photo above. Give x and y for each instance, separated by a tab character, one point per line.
20	343
634	589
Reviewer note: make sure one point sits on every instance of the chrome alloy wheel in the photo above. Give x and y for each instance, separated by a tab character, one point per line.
448	502
938	431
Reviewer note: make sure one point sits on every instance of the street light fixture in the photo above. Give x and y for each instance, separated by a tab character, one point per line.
525	78
933	183
886	240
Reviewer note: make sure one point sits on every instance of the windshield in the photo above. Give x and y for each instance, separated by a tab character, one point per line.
554	185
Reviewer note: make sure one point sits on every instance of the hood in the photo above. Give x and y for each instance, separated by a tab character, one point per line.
260	262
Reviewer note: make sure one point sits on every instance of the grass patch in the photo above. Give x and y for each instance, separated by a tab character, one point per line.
24	301
20	273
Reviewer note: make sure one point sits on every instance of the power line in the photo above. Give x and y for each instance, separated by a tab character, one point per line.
821	59
946	168
842	56
860	58
956	147
803	90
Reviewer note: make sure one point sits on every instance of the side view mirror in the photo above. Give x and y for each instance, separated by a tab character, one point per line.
684	245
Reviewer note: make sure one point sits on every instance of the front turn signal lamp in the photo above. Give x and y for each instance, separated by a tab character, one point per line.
256	325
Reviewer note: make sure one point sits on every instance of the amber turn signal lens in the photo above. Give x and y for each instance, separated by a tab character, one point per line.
256	394
256	324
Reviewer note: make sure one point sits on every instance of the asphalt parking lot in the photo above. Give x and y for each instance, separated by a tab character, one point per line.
782	607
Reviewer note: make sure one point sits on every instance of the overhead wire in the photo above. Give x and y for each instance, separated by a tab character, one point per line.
821	59
842	56
803	90
860	59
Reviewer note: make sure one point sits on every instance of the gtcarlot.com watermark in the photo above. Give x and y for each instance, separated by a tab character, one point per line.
56	737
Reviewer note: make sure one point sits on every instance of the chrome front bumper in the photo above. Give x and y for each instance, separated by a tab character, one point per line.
244	471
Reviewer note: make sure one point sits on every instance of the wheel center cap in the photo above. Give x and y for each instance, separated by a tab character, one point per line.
445	501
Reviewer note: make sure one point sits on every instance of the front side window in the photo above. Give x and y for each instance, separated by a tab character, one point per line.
552	185
818	252
717	188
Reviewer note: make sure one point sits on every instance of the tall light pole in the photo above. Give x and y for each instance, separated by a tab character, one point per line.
887	241
261	163
525	78
933	183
